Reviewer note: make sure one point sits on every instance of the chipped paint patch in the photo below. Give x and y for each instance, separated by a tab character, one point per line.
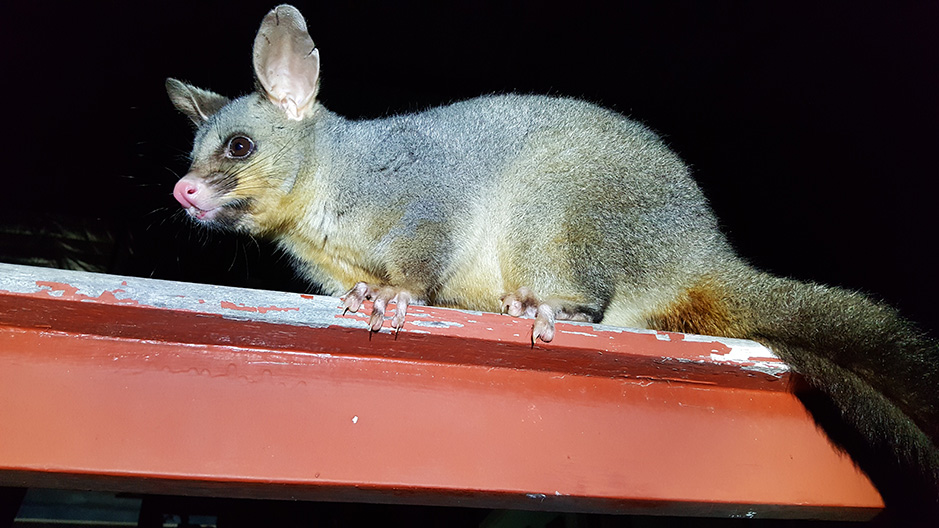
747	355
274	307
67	291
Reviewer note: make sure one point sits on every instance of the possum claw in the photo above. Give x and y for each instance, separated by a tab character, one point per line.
402	300
380	296
377	317
544	324
521	303
524	303
353	299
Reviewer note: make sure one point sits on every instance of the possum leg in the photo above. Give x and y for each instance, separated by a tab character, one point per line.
380	297
524	303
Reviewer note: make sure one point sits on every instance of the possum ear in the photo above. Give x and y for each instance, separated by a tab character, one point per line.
286	62
196	103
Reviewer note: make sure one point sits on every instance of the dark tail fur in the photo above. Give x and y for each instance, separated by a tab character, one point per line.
869	377
874	380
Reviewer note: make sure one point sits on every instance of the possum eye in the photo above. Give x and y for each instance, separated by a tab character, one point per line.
239	147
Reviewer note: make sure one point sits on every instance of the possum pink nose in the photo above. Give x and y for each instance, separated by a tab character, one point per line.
188	190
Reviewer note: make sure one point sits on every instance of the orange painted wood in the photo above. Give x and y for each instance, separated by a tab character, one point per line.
130	384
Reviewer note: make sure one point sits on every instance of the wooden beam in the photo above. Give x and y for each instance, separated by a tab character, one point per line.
131	384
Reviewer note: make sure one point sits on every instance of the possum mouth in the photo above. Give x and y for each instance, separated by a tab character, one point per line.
204	215
226	214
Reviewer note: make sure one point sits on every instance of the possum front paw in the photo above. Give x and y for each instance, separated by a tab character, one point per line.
524	303
380	297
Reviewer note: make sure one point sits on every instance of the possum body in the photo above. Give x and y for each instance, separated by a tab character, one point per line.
548	207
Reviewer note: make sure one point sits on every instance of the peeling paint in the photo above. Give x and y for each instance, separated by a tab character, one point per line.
68	291
747	355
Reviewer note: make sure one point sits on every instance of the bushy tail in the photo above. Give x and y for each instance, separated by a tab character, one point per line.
875	379
868	376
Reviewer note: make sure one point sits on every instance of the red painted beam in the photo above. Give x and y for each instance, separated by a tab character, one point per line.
130	384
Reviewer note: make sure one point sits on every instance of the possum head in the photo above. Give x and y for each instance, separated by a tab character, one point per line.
248	152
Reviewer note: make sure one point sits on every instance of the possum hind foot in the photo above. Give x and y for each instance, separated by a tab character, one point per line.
380	297
524	303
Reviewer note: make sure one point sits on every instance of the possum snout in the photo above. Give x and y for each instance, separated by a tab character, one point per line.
196	197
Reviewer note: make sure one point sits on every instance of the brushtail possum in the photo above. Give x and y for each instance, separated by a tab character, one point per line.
548	207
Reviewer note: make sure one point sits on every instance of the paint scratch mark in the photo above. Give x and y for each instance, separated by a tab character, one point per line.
255	309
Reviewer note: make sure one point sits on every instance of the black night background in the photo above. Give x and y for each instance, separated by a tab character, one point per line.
812	127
